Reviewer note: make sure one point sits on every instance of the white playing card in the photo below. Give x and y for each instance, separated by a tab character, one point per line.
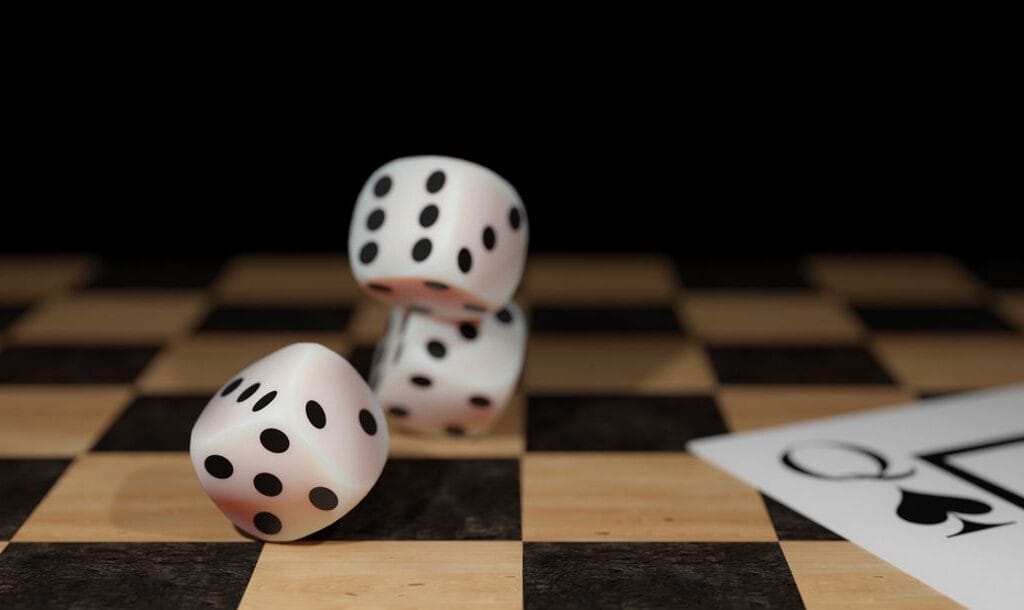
935	488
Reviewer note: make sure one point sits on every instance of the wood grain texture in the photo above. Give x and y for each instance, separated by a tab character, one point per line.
74	364
205	362
377	574
430	499
23	483
839	574
284	280
949	363
369	321
29	277
128	497
121	318
598	422
596	280
768	317
53	421
637	497
753	407
1011	305
656	575
893	280
618	363
118	575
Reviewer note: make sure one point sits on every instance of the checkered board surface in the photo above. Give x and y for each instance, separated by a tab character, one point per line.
583	496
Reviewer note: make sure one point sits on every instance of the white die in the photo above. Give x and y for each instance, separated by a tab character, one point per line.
291	443
439	235
438	376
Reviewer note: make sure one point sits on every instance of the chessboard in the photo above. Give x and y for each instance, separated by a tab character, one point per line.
582	496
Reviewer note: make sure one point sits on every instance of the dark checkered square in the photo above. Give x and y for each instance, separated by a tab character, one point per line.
154	423
619	422
657	575
73	364
124	575
847	364
23	483
961	319
421	499
277	319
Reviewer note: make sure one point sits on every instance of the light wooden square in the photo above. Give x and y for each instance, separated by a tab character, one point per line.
637	497
368	322
119	318
752	407
766	317
127	497
378	574
287	280
505	439
1011	306
56	421
946	363
599	280
26	278
897	280
205	362
3	545
839	574
620	363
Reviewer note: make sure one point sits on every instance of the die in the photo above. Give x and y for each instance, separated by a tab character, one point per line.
291	443
439	235
436	376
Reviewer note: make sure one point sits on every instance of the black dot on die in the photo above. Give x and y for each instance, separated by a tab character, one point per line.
428	215
367	253
480	401
274	440
379	287
267	523
367	421
455	430
249	391
315	414
264	401
435	182
489	238
435	285
323	498
467	330
398	411
421	381
267	484
231	387
504	316
382	186
465	260
436	349
514	218
421	250
375	220
218	466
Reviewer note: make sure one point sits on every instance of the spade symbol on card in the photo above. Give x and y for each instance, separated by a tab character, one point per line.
928	509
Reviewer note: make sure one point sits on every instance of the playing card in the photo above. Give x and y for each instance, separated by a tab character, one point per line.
935	488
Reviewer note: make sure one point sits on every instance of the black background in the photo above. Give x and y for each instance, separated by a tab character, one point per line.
758	163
